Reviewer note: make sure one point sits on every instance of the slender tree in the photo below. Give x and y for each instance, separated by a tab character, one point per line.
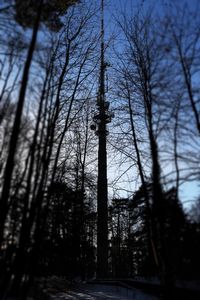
24	15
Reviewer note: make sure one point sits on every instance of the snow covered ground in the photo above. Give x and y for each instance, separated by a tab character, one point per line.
102	292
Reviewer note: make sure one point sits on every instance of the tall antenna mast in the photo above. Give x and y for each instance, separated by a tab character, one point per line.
101	118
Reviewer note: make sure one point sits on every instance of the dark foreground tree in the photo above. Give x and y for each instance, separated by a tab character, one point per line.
31	15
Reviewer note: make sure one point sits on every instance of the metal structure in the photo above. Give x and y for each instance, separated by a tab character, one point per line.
101	119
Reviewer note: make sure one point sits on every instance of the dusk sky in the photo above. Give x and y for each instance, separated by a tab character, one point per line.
113	9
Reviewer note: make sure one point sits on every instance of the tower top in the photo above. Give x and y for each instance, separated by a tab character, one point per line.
102	63
102	22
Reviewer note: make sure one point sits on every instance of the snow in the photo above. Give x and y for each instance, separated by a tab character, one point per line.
102	292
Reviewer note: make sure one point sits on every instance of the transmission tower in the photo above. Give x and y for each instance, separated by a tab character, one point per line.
101	119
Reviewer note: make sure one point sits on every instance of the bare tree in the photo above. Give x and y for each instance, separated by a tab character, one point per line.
144	74
58	95
38	13
183	39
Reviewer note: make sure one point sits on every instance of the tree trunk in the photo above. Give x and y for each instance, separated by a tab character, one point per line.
16	129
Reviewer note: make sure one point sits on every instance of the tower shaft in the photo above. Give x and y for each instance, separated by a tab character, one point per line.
102	186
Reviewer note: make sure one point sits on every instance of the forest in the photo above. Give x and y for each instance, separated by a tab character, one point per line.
50	78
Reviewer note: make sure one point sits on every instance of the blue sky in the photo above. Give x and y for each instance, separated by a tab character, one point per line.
113	8
189	190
